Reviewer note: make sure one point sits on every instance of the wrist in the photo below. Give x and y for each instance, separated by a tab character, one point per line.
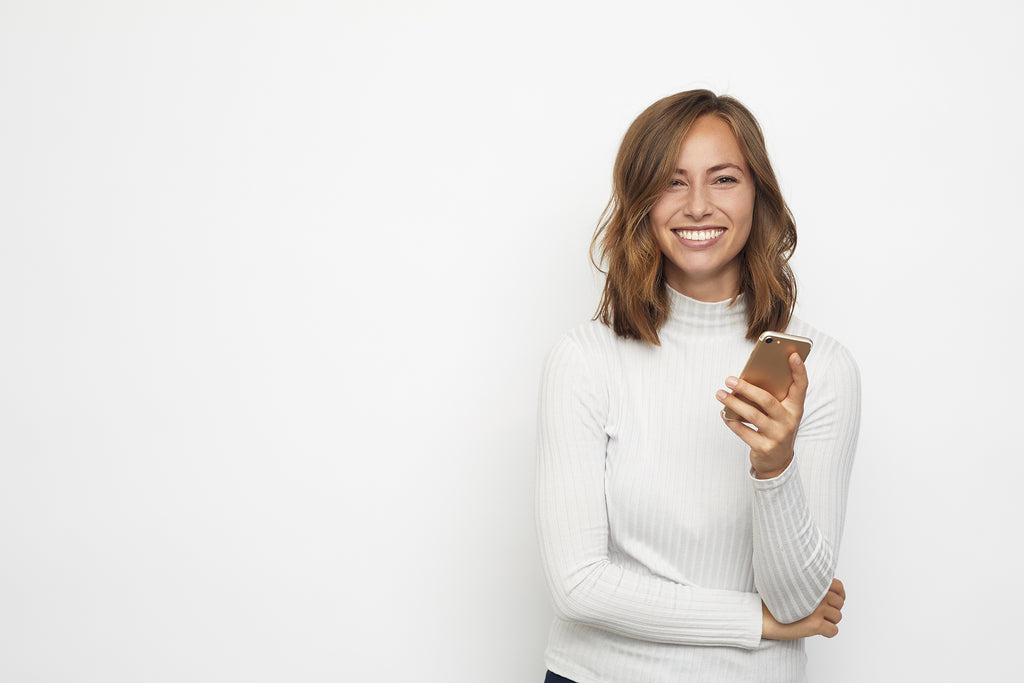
769	475
770	472
769	625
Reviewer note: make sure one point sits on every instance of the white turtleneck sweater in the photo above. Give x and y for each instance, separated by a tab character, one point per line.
657	542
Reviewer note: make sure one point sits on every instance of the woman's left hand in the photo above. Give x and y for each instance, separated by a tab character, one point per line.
771	444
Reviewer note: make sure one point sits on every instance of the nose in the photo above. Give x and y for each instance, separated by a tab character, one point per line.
697	204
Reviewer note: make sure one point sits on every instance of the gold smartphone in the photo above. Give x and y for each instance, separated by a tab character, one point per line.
768	365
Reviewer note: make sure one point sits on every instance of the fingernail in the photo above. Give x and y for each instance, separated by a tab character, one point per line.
731	382
721	394
799	360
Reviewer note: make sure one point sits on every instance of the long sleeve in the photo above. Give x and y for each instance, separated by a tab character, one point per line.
798	516
586	585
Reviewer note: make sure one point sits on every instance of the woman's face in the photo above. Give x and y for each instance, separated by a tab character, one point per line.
702	220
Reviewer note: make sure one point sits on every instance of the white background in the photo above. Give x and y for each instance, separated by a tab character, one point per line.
277	279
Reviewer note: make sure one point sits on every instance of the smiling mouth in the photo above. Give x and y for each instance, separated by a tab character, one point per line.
700	235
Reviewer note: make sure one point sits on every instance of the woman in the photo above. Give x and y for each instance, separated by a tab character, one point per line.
679	546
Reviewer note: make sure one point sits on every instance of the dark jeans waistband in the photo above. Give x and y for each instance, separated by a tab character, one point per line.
555	678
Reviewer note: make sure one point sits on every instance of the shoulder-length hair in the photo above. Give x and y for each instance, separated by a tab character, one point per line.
635	303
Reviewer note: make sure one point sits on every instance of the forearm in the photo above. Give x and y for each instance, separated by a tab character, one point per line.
793	561
612	598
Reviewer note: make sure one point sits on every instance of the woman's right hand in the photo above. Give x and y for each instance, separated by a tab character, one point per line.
822	622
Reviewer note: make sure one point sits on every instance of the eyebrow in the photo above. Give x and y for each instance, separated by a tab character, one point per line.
714	169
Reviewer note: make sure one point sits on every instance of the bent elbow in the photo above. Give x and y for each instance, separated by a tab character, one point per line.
569	603
572	597
568	607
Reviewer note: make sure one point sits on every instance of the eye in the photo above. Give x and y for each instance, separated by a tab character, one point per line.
676	183
725	180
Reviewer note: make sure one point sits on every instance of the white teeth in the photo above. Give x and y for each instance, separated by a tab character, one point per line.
699	235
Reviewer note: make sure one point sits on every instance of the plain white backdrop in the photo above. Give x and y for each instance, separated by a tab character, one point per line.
277	279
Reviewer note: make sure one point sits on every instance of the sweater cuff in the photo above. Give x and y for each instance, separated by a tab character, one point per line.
780	480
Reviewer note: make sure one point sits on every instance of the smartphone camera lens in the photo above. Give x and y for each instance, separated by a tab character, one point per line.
768	340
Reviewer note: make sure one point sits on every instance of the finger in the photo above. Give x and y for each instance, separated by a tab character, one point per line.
768	404
837	587
748	412
832	615
749	435
835	600
829	630
798	389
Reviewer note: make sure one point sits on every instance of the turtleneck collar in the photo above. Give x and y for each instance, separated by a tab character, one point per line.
692	318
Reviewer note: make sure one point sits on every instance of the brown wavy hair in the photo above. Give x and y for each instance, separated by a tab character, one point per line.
635	303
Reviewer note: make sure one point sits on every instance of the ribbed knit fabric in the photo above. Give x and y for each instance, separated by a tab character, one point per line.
657	542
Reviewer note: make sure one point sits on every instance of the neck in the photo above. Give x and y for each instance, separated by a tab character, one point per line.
721	287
